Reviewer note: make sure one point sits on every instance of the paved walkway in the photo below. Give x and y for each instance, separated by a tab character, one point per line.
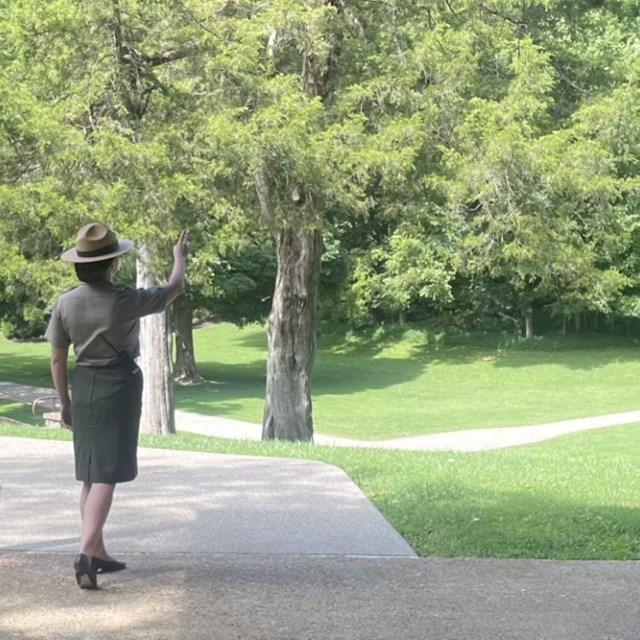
465	441
237	548
195	502
240	548
255	597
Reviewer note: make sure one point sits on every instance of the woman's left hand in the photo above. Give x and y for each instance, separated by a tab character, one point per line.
65	416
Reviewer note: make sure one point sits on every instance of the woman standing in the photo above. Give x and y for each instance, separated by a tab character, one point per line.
102	323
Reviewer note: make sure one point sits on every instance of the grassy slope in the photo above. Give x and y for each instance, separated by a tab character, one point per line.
375	389
385	387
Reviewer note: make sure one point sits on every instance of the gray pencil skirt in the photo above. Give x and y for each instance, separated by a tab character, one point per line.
105	413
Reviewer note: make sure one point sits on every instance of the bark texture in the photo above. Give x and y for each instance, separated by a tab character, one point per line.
292	324
292	336
158	415
186	371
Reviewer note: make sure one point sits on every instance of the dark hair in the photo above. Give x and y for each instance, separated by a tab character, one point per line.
93	272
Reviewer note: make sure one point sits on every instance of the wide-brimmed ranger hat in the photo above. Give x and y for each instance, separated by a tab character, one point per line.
96	242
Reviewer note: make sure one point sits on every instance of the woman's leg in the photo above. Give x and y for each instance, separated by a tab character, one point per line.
100	549
95	502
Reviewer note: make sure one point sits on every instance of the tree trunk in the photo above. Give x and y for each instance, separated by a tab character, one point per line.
185	371
293	317
158	414
578	321
292	336
528	322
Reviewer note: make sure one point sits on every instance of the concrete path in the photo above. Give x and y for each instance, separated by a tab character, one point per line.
467	440
240	548
255	597
193	502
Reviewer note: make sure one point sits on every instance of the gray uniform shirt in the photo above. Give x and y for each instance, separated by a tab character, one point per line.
81	315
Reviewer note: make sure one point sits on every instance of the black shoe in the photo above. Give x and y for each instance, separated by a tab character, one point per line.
107	566
85	573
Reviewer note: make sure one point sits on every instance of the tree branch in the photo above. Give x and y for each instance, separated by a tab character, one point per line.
504	16
168	55
264	196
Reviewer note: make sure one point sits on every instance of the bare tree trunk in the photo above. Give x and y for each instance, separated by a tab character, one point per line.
158	415
185	371
528	321
292	336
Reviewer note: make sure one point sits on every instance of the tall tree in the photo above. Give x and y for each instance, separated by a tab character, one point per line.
335	135
542	200
293	320
119	139
272	120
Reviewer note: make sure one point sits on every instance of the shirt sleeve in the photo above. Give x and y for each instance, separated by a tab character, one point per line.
56	333
148	301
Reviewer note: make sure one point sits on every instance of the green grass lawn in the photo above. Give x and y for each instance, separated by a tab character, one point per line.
19	412
574	497
390	385
382	388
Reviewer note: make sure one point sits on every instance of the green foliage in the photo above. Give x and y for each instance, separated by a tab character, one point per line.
391	278
242	285
466	161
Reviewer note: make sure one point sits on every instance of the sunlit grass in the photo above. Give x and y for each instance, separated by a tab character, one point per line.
374	388
18	411
572	497
393	384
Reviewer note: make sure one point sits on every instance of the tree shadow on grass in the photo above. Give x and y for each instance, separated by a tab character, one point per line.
220	397
582	360
348	365
25	369
335	374
373	345
583	351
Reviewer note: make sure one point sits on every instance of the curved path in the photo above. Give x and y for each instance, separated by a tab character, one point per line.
468	440
464	441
